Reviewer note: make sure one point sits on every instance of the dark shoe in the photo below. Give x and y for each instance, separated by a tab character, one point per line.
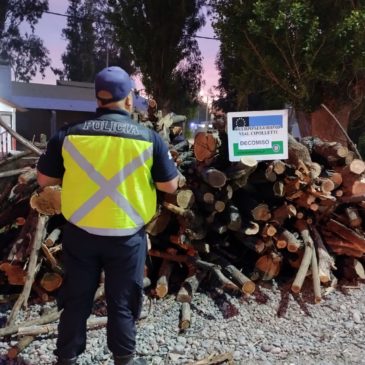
129	360
61	361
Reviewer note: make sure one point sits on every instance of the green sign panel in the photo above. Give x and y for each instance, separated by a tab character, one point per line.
262	135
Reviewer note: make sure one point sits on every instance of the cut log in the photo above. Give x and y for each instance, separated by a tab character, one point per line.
189	287
53	237
162	285
51	281
246	284
279	188
216	271
325	261
326	185
297	151
23	343
185	198
51	259
159	222
238	173
268	230
279	167
356	166
269	266
282	213
48	201
42	294
315	279
270	173
250	228
187	213
261	213
213	177
233	217
293	244
185	316
14	273
336	177
92	323
341	246
307	258
39	236
205	145
346	233
353	216
28	176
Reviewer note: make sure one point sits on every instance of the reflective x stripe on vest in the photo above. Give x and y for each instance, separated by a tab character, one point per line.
108	188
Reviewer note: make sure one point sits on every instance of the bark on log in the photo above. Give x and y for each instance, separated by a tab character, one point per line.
185	316
53	237
216	271
92	323
325	261
346	233
159	222
23	343
307	258
315	278
189	287
239	173
162	285
37	242
213	177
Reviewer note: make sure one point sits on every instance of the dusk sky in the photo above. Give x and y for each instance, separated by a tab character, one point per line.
50	27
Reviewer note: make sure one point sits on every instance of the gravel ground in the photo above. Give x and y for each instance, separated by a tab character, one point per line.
271	327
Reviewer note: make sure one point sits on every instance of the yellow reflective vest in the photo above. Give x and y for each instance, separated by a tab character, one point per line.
107	186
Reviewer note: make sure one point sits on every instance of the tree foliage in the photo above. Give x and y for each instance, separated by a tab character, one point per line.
25	52
91	43
300	51
160	35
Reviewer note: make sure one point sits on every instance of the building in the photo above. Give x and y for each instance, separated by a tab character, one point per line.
33	109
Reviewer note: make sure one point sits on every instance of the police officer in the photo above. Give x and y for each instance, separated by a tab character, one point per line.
109	168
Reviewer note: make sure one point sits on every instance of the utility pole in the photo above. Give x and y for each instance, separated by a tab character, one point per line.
207	109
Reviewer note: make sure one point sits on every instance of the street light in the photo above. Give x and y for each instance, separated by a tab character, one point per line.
203	95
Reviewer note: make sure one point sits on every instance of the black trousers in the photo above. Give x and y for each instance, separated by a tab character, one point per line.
85	256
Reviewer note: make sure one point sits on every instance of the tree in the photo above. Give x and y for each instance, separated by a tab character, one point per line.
160	36
25	53
91	44
305	52
78	60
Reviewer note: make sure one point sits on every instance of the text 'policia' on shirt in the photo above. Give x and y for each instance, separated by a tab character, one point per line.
111	126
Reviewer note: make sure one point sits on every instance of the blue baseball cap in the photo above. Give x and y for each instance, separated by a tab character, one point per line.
112	84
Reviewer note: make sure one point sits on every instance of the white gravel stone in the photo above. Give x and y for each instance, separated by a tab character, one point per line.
330	333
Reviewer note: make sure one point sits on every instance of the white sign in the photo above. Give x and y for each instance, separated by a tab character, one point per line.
262	135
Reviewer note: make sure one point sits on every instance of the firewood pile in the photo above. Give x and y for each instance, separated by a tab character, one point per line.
229	225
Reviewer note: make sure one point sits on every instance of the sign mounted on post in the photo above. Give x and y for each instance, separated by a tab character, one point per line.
262	135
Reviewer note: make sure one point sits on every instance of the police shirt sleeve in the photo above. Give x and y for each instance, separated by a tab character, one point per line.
163	168
50	163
